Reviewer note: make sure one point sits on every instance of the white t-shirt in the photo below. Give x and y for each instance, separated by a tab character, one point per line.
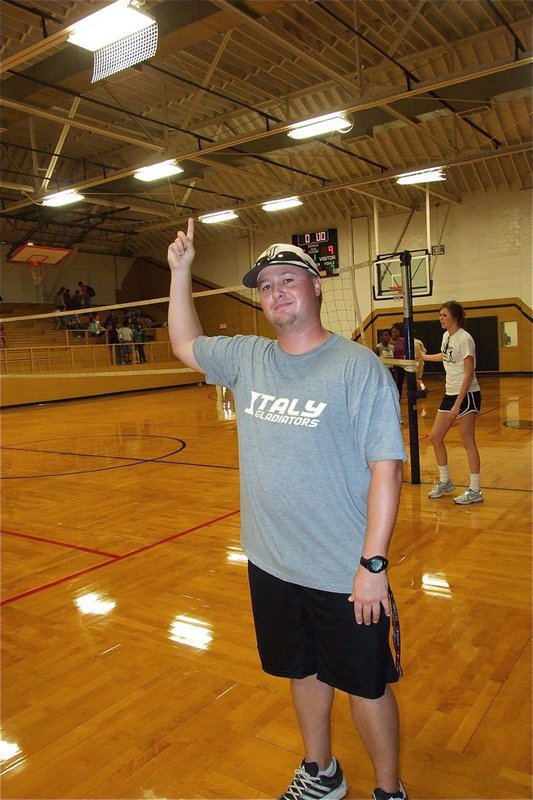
455	349
125	334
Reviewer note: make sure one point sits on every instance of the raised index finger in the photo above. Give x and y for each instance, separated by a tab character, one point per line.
190	229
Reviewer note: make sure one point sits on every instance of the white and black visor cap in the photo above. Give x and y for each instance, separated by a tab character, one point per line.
287	254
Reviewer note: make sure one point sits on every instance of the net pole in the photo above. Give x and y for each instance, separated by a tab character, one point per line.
414	447
351	252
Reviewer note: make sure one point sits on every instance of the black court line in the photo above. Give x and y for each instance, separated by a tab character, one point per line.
194	464
132	461
68	453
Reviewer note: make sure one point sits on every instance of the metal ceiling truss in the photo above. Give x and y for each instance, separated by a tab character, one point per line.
420	81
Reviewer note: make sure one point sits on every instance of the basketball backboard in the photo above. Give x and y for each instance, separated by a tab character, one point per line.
39	254
388	282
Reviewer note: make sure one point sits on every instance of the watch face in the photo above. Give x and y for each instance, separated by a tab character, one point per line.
375	564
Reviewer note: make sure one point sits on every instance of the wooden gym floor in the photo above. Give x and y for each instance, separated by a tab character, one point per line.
129	663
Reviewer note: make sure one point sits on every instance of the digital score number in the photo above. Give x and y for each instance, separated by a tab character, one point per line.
321	246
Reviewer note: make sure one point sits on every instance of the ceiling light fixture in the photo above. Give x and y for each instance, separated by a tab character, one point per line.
63	198
422	176
337	121
156	171
283	202
114	22
218	216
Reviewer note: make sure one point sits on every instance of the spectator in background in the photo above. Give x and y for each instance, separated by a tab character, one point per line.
2	336
77	300
67	300
59	302
384	349
125	335
398	343
72	323
95	326
420	385
114	343
148	321
111	319
138	338
86	292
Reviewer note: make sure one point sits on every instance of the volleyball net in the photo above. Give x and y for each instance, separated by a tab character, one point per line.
90	339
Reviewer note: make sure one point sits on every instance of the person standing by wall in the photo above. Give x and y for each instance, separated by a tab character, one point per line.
315	527
125	335
461	402
384	348
420	385
398	343
138	338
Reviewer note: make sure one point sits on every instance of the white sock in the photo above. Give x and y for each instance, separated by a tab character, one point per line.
330	770
422	387
474	482
444	474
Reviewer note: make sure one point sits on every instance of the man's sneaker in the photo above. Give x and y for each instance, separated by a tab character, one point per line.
441	488
379	794
469	496
307	784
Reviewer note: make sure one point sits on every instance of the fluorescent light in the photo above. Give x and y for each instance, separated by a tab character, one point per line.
218	216
315	127
63	198
155	171
108	25
283	202
422	176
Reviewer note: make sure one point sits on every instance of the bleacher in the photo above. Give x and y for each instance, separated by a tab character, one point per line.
38	346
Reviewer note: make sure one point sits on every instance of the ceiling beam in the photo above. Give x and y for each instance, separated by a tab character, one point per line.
84	126
302	51
373	99
352	185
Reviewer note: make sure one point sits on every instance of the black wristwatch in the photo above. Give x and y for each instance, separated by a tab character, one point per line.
374	564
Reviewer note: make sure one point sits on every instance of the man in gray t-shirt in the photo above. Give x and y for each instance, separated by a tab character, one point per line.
321	454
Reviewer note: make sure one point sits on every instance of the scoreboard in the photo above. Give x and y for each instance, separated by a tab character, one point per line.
322	246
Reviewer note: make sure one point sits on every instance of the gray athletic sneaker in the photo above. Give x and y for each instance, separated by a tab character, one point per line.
469	496
307	784
440	489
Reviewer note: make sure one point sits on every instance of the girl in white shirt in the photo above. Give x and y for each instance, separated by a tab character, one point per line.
462	402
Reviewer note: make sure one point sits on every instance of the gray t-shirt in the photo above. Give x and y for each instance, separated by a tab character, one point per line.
308	426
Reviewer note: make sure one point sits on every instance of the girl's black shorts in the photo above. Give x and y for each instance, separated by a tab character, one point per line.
302	631
472	402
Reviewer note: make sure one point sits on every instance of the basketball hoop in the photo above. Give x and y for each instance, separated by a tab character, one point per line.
36	269
397	288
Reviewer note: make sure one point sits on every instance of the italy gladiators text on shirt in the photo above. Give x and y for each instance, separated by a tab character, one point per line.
285	410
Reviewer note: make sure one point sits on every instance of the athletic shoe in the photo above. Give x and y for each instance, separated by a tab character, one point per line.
441	488
469	496
379	794
421	393
307	784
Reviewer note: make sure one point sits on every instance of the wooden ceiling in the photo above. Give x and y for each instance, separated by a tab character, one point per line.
426	83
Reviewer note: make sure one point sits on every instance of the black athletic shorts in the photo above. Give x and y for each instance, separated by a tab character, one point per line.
302	632
472	402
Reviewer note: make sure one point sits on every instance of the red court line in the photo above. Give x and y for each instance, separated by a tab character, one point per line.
115	559
59	544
